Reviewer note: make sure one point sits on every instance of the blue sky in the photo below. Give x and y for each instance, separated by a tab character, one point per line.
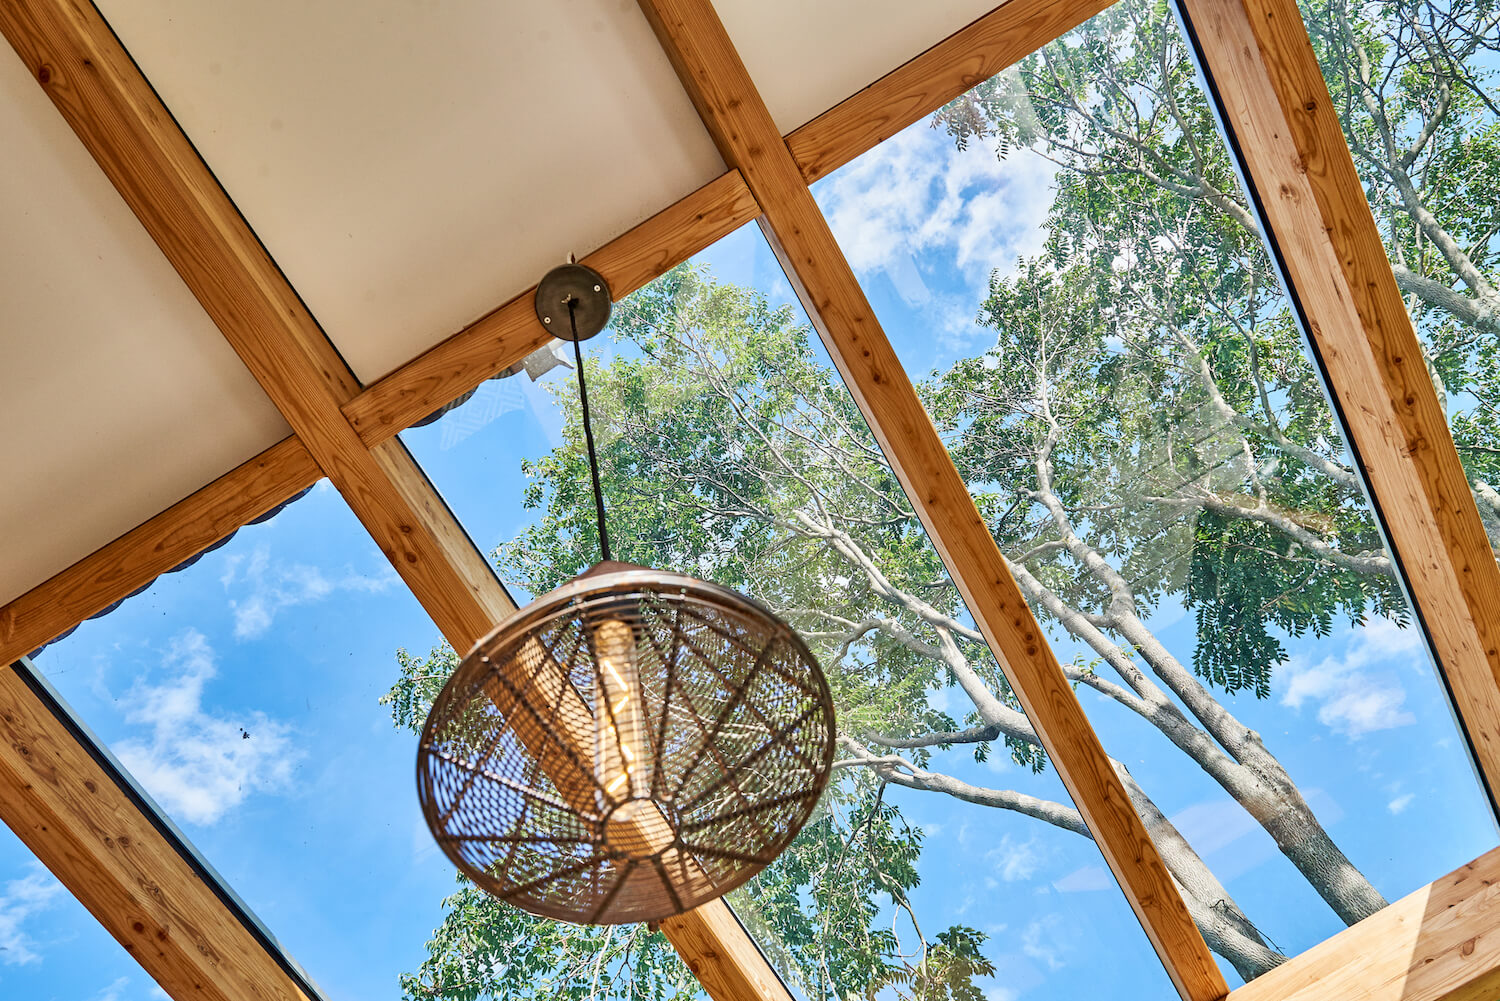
243	691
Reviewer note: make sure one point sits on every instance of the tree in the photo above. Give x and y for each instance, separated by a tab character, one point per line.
1413	82
1146	428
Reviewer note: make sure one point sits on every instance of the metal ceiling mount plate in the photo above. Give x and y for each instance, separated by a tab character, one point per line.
575	287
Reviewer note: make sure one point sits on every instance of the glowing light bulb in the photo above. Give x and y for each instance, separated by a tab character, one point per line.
622	765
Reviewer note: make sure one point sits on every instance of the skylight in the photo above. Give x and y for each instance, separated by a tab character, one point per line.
1123	384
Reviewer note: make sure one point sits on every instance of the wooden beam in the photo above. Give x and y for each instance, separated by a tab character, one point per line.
1441	943
921	86
1276	107
509	333
722	955
736	116
150	550
490	345
88	830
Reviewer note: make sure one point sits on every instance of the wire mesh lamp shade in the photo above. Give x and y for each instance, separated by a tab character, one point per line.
625	748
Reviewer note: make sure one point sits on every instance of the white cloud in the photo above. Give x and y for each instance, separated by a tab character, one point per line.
1400	803
22	898
1230	841
940	699
274	586
1001	994
1015	860
1043	941
197	764
1214	825
999	760
113	991
916	194
1090	877
1357	693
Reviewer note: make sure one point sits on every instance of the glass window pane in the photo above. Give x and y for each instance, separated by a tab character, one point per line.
45	935
1066	264
1415	85
730	450
243	694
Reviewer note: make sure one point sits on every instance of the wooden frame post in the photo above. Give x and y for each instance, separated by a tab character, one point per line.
706	62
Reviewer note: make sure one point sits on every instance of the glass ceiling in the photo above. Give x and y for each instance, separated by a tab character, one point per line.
1415	86
1121	381
242	693
1066	266
729	449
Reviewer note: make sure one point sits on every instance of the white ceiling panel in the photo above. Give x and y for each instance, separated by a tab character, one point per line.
118	396
805	57
411	165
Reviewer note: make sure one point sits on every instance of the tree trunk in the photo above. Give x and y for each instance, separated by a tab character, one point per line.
1268	793
1225	927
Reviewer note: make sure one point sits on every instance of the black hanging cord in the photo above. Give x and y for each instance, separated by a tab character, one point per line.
588	433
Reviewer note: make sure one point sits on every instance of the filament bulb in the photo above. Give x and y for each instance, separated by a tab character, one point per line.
622	764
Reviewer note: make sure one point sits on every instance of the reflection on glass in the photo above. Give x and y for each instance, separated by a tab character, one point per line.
730	450
1415	86
242	693
1121	382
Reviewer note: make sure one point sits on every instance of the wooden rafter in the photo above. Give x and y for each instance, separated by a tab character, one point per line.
1272	95
131	135
921	86
151	549
508	333
736	116
505	335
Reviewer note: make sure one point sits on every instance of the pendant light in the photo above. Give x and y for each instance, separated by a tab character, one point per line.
632	744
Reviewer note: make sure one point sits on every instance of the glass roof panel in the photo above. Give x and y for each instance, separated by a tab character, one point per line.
243	694
1416	85
730	450
1066	265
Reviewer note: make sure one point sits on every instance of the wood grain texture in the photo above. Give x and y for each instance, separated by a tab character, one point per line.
722	955
921	86
150	550
509	333
715	78
1441	943
1277	105
83	827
